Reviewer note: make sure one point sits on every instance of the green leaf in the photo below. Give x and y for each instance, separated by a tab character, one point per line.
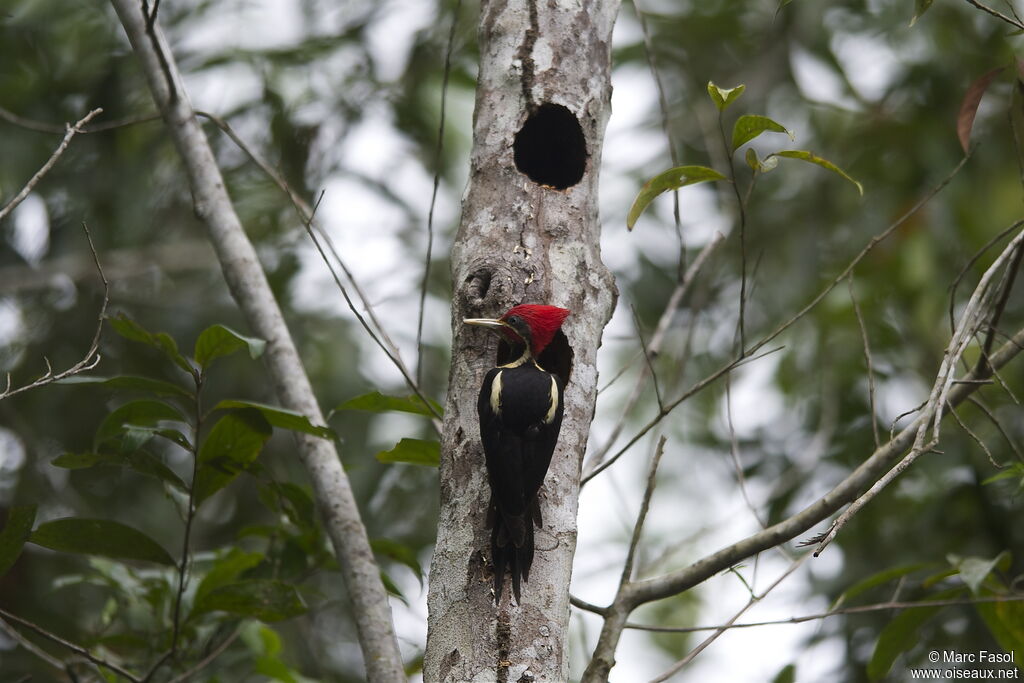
226	570
974	570
99	537
1005	620
787	674
131	383
920	7
139	461
878	579
391	587
749	126
219	340
413	452
398	552
900	634
723	97
376	402
15	534
144	412
672	179
131	330
812	158
280	417
234	442
274	669
263	599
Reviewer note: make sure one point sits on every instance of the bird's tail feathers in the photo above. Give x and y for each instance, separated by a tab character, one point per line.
512	548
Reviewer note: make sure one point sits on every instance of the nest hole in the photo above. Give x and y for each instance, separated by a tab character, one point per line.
550	148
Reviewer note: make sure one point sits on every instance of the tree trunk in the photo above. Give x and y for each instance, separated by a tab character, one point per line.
529	234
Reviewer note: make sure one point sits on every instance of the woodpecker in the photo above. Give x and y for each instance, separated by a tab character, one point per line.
520	408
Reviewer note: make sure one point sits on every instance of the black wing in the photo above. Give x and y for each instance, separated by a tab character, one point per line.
520	413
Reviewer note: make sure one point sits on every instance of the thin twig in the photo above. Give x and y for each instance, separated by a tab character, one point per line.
30	185
648	357
362	321
666	127
734	451
24	642
433	195
875	241
689	393
999	15
77	649
190	512
975	437
54	129
91	358
208	659
867	358
754	599
1009	277
305	211
675	300
862	609
999	425
938	399
641	515
970	263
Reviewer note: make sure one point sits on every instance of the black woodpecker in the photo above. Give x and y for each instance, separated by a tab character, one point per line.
520	408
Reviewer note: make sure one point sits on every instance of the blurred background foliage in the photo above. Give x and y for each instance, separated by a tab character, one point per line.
345	97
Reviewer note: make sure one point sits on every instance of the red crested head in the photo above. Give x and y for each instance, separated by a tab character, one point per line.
543	322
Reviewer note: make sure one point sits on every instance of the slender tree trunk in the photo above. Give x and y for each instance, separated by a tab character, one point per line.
249	286
529	234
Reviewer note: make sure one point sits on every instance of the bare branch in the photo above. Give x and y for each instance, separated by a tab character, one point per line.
641	516
974	311
668	408
1003	234
24	642
54	129
999	425
976	438
305	211
675	300
754	599
91	358
1016	23
861	609
57	153
870	363
77	649
846	491
208	659
875	241
734	451
433	195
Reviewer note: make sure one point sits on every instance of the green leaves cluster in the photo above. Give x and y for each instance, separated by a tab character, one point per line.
746	128
161	417
975	581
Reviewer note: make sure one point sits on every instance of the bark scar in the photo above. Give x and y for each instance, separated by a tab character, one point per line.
525	53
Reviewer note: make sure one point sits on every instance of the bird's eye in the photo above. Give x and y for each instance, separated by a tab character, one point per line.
515	321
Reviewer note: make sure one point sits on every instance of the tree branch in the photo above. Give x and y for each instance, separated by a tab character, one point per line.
77	649
844	492
34	180
91	358
248	284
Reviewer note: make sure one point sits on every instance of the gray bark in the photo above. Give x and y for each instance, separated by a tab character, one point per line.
249	286
520	241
